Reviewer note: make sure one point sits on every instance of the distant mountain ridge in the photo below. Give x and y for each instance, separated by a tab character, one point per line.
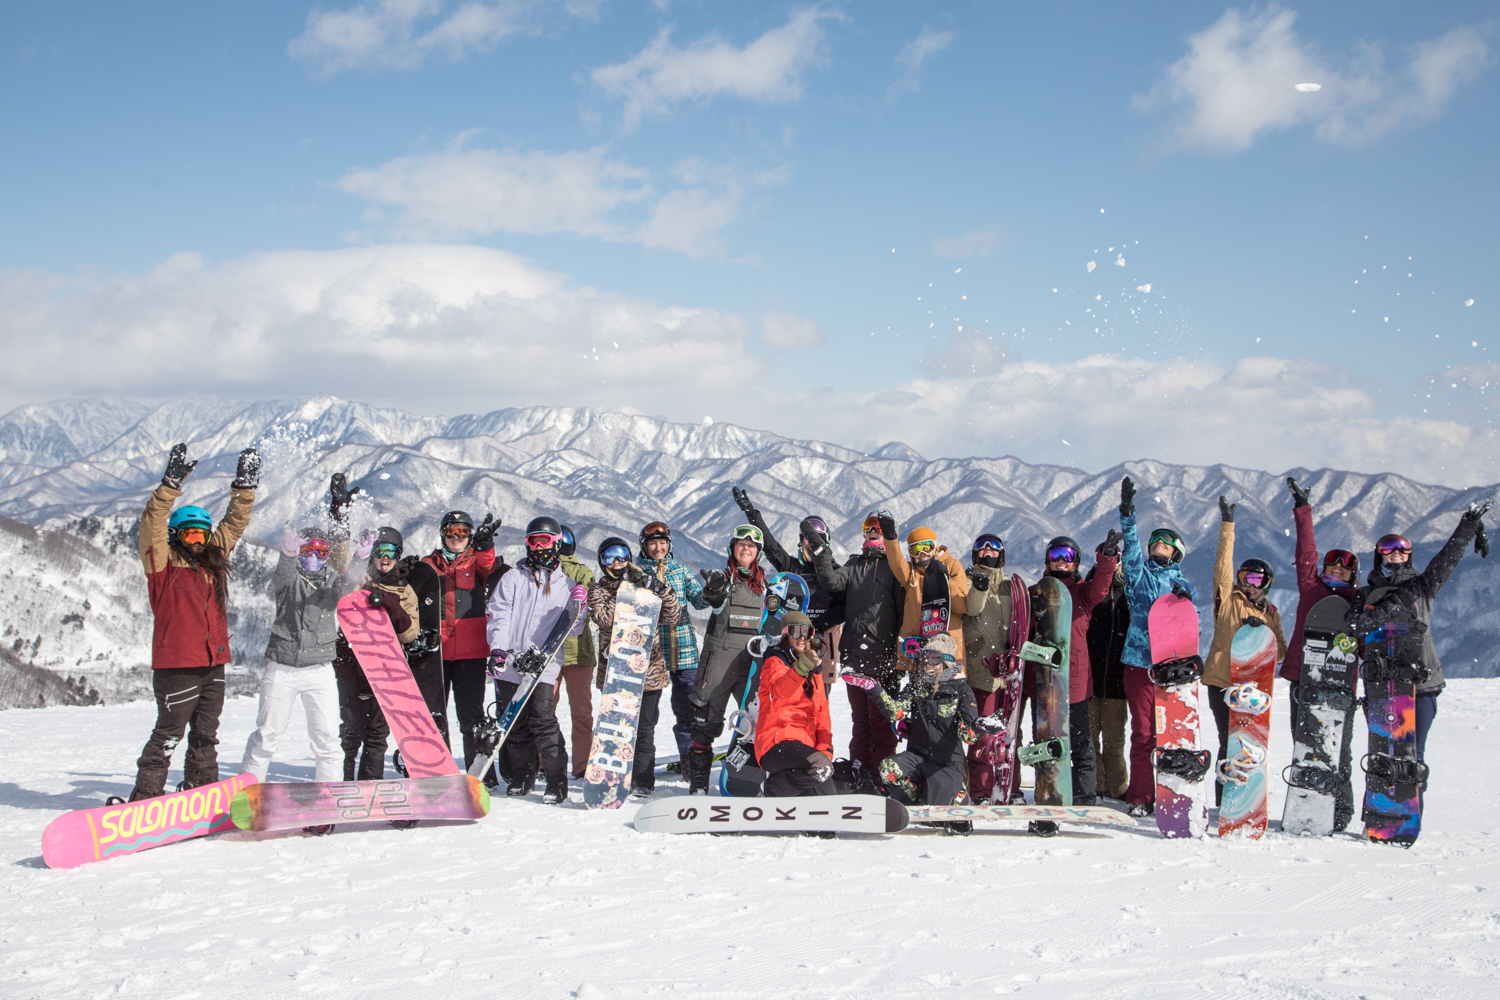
607	472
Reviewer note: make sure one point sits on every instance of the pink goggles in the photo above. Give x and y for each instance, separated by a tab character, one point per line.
543	540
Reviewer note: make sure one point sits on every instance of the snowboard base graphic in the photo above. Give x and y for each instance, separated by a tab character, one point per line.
1026	814
611	760
105	832
290	805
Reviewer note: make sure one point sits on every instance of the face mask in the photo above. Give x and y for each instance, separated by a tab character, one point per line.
1386	570
312	562
873	545
1329	580
1161	560
990	562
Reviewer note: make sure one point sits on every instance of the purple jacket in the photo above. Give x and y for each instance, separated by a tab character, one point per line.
523	610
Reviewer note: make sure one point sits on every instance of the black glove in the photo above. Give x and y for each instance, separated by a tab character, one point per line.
811	536
715	586
888	527
743	499
178	467
376	598
658	586
1226	511
636	576
1253	620
1178	590
1300	497
339	496
1038	604
1111	546
1482	542
979	579
1127	498
484	535
1477	511
247	476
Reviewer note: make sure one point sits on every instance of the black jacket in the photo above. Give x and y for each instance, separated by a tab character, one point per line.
1108	626
824	609
940	722
873	602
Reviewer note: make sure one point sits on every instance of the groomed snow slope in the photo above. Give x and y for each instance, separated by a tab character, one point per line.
548	902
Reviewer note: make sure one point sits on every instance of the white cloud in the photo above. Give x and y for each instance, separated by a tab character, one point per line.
403	34
463	192
983	242
453	328
768	70
911	57
1240	80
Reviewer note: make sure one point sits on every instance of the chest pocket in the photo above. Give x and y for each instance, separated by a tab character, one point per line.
463	578
743	622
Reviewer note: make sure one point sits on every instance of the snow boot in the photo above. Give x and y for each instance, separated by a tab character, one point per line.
962	828
1042	828
403	824
1140	809
699	763
556	793
521	786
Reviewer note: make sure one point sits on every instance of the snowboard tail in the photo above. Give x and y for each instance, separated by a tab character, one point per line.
290	805
87	835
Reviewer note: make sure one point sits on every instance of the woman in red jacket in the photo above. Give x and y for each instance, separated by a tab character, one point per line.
794	734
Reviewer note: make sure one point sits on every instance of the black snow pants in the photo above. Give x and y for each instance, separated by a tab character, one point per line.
1081	747
187	699
913	780
536	739
787	773
361	725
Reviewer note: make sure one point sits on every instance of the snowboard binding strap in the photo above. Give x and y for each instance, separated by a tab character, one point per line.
1395	770
1172	673
1312	777
1180	762
1247	699
1243	765
1047	753
531	662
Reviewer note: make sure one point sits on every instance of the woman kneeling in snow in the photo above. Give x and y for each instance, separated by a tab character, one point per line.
794	733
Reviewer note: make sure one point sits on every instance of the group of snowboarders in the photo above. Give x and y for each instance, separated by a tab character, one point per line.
927	647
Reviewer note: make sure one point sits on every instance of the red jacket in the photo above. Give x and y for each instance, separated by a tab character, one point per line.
190	629
1310	589
786	712
463	583
1086	593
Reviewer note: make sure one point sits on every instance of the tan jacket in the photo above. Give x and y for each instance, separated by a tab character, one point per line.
408	598
909	576
1231	608
987	629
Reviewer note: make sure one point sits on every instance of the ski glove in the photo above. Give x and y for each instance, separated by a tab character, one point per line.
1300	496
1477	511
247	476
178	467
484	535
1482	542
578	592
888	527
495	666
979	579
715	586
291	542
819	766
635	576
743	499
1111	546
366	544
1226	511
991	723
1127	497
376	598
1178	590
861	681
811	536
339	496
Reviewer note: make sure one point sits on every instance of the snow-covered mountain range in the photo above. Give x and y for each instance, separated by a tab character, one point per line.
80	469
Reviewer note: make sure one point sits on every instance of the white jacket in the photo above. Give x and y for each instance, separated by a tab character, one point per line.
523	611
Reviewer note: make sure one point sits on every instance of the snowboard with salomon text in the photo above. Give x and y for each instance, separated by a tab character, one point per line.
104	832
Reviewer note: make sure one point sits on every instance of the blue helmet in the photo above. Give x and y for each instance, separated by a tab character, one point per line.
190	517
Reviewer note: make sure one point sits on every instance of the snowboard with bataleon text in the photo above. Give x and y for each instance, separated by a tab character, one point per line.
1318	793
1252	661
1181	799
818	813
1052	629
612	755
104	832
294	804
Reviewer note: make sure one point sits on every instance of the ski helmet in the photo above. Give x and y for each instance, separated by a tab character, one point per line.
656	529
569	544
612	548
1254	566
1167	536
188	517
747	533
457	517
544	542
388	536
991	562
544	524
1064	542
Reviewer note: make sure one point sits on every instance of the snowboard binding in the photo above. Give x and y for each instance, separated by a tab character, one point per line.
1313	777
1247	699
1171	673
530	662
1048	753
1189	765
486	733
1395	770
1340	699
1042	653
1243	765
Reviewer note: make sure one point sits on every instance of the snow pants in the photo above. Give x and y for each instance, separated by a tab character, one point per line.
721	672
1081	746
579	680
871	739
913	780
536	739
362	726
643	771
1107	729
281	687
682	710
1140	695
787	773
187	699
465	680
983	753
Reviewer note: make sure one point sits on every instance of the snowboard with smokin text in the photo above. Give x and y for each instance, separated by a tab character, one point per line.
818	813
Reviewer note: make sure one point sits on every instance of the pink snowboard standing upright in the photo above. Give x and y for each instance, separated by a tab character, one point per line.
369	634
105	832
1181	803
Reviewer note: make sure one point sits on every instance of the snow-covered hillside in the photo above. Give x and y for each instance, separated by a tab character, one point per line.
610	472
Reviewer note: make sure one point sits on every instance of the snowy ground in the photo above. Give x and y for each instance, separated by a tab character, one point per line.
561	902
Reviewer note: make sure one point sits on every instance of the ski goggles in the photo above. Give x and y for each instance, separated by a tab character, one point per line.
872	522
385	550
1062	553
797	630
926	545
456	531
1164	536
542	540
1341	557
912	646
989	542
314	547
656	529
193	536
749	533
614	554
1254	578
1393	543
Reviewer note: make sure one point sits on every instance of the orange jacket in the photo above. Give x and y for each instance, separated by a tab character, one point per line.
786	712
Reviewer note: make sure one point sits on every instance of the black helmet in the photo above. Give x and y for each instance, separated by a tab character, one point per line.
549	556
609	543
1063	540
544	523
993	562
389	536
456	517
569	542
1255	566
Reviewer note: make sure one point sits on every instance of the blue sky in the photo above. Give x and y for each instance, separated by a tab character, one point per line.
691	209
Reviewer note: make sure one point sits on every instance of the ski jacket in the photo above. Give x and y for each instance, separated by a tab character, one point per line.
527	602
825	609
923	587
733	623
680	643
1108	627
306	622
602	594
1086	593
579	650
1310	588
873	603
787	712
940	722
1232	606
189	629
463	588
987	631
406	613
1419	591
1145	581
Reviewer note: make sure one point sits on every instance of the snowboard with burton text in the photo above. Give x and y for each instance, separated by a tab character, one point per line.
611	760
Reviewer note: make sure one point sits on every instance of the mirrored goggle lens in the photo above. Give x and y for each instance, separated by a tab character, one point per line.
911	647
1341	557
1062	553
989	545
924	546
191	536
318	548
872	523
456	531
798	630
385	550
656	529
616	553
748	532
1392	543
542	540
1253	578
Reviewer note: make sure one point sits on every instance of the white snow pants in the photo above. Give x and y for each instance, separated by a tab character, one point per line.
280	687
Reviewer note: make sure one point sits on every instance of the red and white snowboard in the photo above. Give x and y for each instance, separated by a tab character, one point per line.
1181	800
1252	661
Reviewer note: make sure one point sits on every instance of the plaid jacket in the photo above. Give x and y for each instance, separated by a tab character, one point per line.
681	644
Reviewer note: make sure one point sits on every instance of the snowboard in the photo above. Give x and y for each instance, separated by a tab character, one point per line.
291	805
1053	628
1318	776
996	752
1056	814
1176	669
531	664
612	756
373	642
1252	660
820	813
740	774
104	832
